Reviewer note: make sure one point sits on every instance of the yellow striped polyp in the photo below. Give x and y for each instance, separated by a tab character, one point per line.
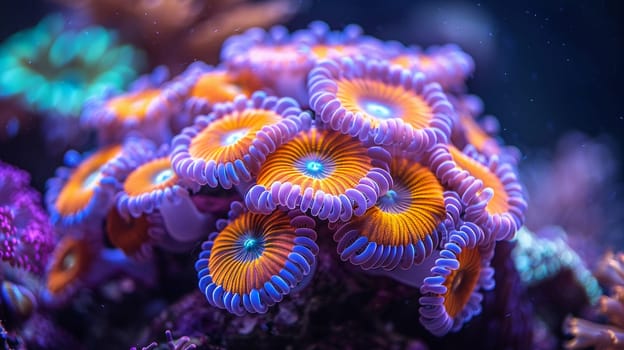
78	191
230	137
319	159
250	250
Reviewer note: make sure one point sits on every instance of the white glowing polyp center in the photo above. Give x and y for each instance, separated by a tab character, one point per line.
377	109
162	176
234	136
457	282
92	180
233	89
68	262
138	103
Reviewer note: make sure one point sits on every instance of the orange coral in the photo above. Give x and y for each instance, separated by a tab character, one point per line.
181	31
610	272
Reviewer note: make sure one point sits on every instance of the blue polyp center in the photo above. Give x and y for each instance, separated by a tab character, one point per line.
162	176
92	180
396	200
377	109
314	168
250	244
388	199
233	137
251	247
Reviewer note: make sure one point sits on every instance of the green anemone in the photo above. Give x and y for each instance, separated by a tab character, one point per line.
54	68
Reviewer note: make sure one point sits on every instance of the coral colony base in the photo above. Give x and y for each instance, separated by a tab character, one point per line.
297	153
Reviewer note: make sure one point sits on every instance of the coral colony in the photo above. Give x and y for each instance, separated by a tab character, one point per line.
292	141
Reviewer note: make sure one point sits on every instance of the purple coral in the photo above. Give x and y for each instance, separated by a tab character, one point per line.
280	62
447	65
26	235
182	343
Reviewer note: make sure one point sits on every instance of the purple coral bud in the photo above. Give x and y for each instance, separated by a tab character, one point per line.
12	182
610	269
183	343
27	240
589	334
447	65
26	235
279	62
